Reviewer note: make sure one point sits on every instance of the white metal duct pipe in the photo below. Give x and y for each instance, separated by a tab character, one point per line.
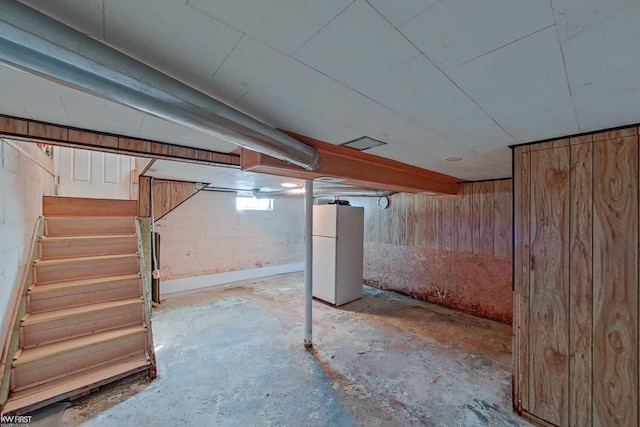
40	45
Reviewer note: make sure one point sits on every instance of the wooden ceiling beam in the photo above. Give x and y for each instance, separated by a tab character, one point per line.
356	167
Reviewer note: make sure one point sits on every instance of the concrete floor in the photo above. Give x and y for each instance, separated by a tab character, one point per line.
234	356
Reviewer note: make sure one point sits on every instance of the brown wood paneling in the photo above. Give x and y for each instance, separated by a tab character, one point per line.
556	143
144	197
485	246
521	186
40	130
433	225
502	218
615	134
476	203
183	152
420	227
14	126
83	138
136	145
526	275
446	223
581	286
410	201
94	139
464	231
615	282
549	285
74	206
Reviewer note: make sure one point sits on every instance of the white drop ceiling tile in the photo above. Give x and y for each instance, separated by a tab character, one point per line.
601	54
419	91
400	11
523	87
283	24
161	130
83	15
281	113
453	32
356	47
171	37
597	113
254	66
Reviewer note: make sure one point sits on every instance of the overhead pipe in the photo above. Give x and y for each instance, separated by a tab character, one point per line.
323	191
33	42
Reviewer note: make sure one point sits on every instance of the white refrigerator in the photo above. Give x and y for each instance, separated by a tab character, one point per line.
338	234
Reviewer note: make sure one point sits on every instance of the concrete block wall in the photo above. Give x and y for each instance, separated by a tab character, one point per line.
26	174
207	235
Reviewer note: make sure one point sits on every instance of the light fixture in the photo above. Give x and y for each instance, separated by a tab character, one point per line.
289	185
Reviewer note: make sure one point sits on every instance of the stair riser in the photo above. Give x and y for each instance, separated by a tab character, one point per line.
83	247
76	326
91	294
44	274
60	227
49	369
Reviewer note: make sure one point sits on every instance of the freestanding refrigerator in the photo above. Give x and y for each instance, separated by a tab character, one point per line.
338	234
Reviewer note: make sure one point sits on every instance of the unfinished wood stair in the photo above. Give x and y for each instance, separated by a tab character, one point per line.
85	321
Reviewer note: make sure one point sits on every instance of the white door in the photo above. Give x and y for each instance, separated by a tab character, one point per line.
93	174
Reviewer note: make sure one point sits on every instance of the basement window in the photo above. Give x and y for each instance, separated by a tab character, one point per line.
253	204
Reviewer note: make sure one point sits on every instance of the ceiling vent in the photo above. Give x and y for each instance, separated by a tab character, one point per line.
364	143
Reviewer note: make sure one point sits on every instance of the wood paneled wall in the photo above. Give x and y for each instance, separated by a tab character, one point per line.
31	130
167	195
478	220
576	280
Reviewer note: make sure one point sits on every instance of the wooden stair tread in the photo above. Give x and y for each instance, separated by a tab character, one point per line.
61	261
86	237
59	286
48	316
60	389
29	355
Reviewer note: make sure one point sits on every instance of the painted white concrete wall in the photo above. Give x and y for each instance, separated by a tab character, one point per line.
25	176
207	235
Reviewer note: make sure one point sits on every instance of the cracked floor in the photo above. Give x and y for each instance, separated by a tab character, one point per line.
233	356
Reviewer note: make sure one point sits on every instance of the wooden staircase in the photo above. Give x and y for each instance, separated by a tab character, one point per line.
85	324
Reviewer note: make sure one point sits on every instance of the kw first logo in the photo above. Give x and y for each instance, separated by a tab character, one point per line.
15	419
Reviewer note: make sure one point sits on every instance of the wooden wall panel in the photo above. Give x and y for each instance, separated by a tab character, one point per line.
478	220
522	167
420	227
167	195
433	224
577	338
502	218
615	282
92	140
581	286
549	285
464	233
487	210
144	197
476	206
446	223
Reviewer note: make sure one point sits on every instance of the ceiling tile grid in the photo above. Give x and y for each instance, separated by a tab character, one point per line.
428	77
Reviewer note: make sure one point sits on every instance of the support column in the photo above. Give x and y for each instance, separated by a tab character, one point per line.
308	260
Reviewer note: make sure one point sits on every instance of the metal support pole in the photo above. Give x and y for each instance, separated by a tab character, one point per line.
308	260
